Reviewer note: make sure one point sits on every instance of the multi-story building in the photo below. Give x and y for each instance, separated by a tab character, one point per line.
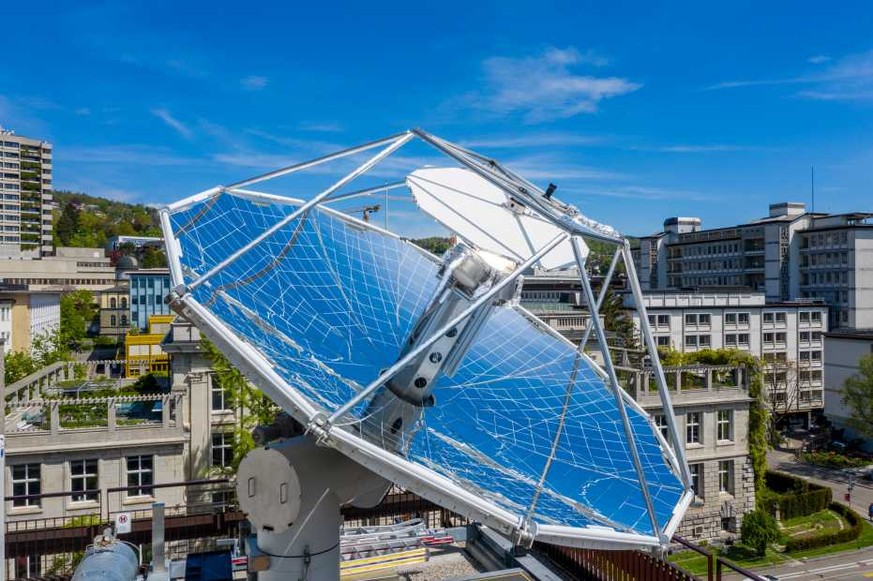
711	404
844	349
835	257
788	336
790	254
68	269
26	315
25	186
148	288
143	351
114	312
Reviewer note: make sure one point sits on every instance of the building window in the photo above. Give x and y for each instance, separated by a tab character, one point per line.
661	423
730	340
140	475
123	302
725	425
726	476
780	318
704	341
112	303
768	318
124	320
692	428
663	320
222	449
691	340
83	480
690	319
730	318
219	396
663	341
696	479
768	337
815	316
112	320
703	319
26	482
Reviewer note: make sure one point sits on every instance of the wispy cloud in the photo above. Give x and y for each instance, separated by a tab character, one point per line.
848	79
132	154
698	148
818	59
534	140
317	127
547	167
547	86
638	192
173	123
254	83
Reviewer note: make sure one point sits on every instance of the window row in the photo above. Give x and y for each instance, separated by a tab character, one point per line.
724	426
725	478
84	480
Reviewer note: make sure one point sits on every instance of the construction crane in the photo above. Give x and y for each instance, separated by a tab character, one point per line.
364	210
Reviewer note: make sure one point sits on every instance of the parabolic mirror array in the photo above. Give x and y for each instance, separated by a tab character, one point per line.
525	432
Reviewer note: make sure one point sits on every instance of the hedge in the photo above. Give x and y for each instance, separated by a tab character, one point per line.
794	496
852	532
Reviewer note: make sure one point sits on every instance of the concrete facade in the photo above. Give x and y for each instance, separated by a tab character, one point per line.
791	254
69	269
26	314
843	351
712	414
26	190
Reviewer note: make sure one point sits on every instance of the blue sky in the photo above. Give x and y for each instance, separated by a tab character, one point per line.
636	111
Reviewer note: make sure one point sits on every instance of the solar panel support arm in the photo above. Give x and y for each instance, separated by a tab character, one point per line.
402	362
614	385
396	144
601	297
660	379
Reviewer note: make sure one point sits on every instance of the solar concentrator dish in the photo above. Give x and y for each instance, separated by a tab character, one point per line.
525	433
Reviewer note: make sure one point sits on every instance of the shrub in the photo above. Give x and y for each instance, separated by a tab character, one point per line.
759	530
833	460
850	533
793	496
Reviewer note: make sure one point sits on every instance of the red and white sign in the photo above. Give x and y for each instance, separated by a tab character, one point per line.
122	523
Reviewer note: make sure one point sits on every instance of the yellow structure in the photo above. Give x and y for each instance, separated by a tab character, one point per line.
143	352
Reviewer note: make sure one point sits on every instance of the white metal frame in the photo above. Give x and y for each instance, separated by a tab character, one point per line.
328	428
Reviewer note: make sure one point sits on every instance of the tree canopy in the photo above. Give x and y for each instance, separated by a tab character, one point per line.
858	397
88	221
77	314
759	530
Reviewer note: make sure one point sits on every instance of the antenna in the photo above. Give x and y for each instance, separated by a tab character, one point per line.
397	366
812	186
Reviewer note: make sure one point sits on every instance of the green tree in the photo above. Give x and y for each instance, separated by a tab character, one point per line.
68	224
759	530
19	364
434	244
252	407
154	258
858	397
77	313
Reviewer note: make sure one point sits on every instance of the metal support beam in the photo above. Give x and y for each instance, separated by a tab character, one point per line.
660	379
317	161
366	166
402	362
601	297
613	381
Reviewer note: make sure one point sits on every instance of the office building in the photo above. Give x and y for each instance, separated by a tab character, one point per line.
148	288
26	315
788	336
69	269
844	349
26	187
791	254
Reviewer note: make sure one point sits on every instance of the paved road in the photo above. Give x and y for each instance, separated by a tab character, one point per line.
837	480
857	564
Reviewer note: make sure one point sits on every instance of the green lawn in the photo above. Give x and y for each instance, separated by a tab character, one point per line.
695	563
813	524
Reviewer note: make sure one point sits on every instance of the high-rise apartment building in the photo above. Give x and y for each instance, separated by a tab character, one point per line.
791	254
25	184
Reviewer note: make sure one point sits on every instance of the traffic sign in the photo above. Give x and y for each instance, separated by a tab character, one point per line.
122	523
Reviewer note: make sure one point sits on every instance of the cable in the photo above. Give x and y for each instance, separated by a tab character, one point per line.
309	555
